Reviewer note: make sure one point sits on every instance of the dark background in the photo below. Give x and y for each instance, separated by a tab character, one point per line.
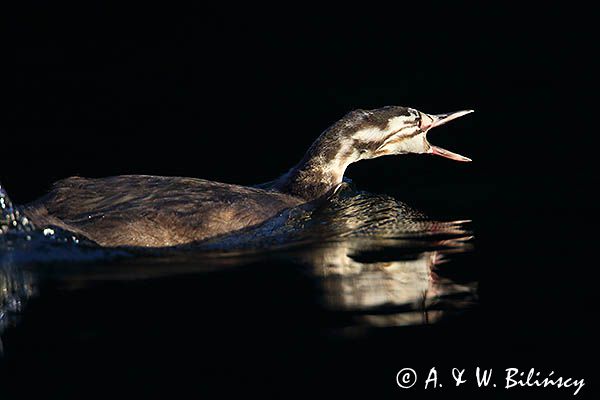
238	93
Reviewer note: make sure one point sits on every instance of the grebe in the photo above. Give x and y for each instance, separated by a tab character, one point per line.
153	211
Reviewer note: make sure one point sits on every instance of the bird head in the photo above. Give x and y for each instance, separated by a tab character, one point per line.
397	130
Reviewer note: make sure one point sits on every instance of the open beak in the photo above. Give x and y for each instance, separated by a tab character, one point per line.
431	121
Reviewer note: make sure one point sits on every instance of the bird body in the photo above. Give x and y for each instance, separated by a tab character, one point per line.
152	211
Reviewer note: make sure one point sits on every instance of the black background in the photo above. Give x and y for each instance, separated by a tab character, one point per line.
237	94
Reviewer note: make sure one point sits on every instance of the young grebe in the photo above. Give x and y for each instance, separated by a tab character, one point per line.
152	211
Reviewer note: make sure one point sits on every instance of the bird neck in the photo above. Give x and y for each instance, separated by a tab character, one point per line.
319	172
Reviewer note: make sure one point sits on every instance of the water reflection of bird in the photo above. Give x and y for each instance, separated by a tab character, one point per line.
379	281
404	287
165	211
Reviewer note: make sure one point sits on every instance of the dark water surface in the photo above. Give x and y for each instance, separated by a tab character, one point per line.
338	298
